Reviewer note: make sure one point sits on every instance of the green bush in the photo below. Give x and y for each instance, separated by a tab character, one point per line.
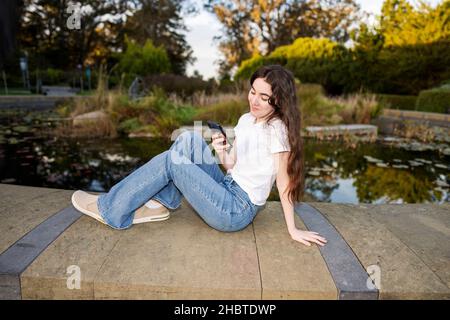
393	101
434	100
142	61
311	60
129	125
316	108
249	66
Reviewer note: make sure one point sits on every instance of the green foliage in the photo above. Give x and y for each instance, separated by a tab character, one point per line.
374	183
143	60
226	112
180	85
249	66
164	23
316	109
408	52
252	26
154	113
393	101
53	76
129	125
402	24
434	100
311	60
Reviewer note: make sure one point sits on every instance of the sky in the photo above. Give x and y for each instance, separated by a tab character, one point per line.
204	26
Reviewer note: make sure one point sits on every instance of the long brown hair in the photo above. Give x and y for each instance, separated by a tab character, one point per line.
284	102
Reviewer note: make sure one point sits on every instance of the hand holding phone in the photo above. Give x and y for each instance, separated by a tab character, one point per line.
215	126
225	147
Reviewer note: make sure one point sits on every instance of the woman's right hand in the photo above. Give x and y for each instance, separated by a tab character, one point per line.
217	142
306	237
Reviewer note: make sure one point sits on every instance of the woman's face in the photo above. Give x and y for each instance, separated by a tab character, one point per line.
258	99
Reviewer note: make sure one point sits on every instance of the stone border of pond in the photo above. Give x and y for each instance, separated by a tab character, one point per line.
183	258
348	274
21	254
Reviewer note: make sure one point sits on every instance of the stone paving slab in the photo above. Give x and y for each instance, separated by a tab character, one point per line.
289	269
23	208
85	244
181	258
13	195
403	274
424	228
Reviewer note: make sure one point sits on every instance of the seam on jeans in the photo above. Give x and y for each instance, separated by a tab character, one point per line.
205	196
120	202
164	203
244	203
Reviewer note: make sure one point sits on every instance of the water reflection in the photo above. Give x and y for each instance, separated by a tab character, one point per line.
382	172
375	173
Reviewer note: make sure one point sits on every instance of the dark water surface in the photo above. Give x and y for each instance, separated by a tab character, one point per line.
387	171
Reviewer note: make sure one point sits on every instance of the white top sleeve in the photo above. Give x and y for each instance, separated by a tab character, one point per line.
279	140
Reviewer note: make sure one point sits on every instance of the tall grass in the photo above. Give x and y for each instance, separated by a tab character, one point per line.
159	114
358	108
319	110
226	109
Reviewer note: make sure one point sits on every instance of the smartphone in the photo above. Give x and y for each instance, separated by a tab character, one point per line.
215	126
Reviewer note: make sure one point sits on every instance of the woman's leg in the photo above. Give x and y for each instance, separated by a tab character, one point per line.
184	164
191	145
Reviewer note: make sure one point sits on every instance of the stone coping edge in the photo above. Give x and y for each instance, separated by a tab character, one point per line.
24	251
350	277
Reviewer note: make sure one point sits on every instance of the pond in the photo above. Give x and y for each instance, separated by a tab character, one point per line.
387	171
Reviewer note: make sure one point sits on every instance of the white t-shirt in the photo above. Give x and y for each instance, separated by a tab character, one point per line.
255	169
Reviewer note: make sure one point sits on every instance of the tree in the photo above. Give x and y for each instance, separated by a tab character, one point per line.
162	22
252	27
402	24
408	50
143	60
9	12
45	35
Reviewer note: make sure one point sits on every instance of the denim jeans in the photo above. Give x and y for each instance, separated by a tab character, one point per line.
187	169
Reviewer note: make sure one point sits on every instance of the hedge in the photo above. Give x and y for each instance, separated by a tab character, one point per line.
434	100
401	102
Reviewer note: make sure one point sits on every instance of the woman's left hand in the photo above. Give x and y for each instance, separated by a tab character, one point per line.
305	236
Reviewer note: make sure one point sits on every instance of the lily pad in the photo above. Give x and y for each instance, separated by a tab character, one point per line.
423	160
372	159
400	166
13	141
94	162
21	129
441	183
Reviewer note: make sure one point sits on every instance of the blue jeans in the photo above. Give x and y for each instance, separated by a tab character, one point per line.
187	169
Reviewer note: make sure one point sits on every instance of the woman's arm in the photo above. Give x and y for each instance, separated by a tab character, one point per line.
281	161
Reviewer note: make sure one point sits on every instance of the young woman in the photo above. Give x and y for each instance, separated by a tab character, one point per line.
267	147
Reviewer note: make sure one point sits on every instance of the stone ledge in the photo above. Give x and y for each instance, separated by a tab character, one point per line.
183	258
